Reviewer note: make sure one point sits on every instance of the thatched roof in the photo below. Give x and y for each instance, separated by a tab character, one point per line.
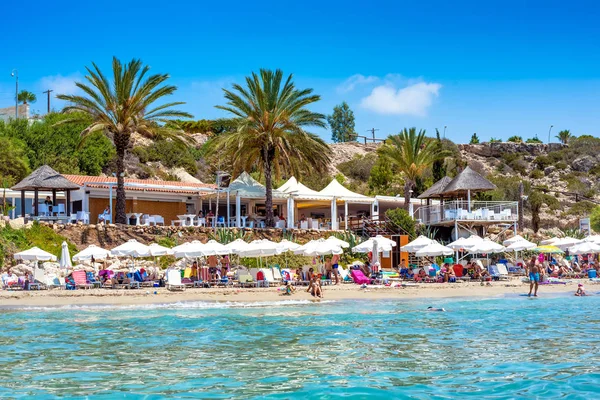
45	178
436	189
468	180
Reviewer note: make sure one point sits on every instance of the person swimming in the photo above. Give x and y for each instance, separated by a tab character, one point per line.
435	309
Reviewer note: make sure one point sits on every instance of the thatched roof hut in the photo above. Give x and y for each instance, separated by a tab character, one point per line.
436	190
468	181
45	178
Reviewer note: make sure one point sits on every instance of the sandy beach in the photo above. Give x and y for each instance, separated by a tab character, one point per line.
341	292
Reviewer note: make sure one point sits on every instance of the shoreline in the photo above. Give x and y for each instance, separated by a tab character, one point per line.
146	296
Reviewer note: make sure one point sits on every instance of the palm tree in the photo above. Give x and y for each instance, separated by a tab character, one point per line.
270	135
26	97
122	108
564	136
411	153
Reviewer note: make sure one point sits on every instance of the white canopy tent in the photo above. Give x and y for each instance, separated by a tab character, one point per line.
244	186
98	253
338	192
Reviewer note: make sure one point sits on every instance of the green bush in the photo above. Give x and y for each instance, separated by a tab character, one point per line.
402	218
515	139
595	218
14	240
359	167
542	162
551	201
381	177
561	165
581	208
534	139
519	165
536	174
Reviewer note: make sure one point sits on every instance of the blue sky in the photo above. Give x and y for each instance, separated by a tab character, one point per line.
513	67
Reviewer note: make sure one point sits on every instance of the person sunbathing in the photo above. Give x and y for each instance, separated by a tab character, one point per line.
580	290
314	287
421	275
450	274
120	279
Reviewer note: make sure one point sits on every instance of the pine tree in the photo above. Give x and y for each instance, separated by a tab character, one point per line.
342	124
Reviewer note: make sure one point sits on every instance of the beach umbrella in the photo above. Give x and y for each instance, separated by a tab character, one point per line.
458	244
548	249
585	248
238	245
339	242
98	253
285	245
417	244
260	248
156	250
592	238
383	244
131	248
65	257
486	246
514	239
521	245
34	254
471	241
319	247
549	241
433	250
566	242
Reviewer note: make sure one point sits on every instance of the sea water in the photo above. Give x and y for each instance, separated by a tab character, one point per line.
512	347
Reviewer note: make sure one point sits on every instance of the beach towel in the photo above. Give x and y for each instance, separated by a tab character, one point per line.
359	278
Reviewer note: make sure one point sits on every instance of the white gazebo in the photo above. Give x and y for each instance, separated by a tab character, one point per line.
338	192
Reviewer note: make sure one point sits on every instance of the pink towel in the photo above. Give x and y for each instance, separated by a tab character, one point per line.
358	277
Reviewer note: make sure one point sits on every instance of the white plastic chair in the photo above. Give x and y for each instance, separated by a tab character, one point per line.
201	221
158	219
303	224
174	280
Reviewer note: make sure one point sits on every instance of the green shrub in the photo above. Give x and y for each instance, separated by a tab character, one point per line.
561	165
536	174
542	162
359	167
534	139
515	139
551	201
402	218
581	208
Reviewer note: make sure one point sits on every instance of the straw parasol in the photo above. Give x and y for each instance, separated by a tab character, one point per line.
436	190
466	182
45	178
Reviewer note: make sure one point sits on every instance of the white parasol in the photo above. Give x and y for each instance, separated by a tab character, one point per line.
35	254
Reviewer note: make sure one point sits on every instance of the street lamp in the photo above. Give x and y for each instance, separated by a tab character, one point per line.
550	130
15	73
445	131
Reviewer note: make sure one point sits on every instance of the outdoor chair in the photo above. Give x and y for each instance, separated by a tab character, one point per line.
42	210
200	221
60	209
221	221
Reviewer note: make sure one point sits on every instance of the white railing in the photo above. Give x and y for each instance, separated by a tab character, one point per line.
461	210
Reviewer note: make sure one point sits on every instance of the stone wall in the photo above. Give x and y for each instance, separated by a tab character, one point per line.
112	235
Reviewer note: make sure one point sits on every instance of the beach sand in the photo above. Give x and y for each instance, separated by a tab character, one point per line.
58	297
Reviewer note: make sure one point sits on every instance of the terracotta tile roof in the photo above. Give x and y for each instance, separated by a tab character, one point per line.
90	181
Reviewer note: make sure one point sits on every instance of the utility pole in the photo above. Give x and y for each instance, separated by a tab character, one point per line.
15	74
372	130
445	131
550	130
48	92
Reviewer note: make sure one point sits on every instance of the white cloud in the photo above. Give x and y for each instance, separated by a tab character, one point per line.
414	99
355	80
61	84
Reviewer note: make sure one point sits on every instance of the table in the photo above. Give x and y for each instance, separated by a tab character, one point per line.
188	219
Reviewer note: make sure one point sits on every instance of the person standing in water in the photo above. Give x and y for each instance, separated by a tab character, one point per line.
534	275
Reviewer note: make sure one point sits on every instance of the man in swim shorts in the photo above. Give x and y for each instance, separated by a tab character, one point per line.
534	275
334	267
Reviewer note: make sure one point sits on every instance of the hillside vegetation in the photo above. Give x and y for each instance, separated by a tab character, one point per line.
566	176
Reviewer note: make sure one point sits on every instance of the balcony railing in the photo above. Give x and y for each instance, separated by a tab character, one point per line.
461	210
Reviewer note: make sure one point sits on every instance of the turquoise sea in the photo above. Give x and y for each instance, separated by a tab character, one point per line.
512	347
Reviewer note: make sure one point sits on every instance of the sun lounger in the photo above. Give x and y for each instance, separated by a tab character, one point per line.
174	280
277	277
499	272
358	277
80	279
246	280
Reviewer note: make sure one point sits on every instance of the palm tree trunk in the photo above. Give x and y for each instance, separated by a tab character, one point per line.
120	145
269	156
407	187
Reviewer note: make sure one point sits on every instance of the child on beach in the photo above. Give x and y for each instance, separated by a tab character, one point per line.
580	290
289	289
